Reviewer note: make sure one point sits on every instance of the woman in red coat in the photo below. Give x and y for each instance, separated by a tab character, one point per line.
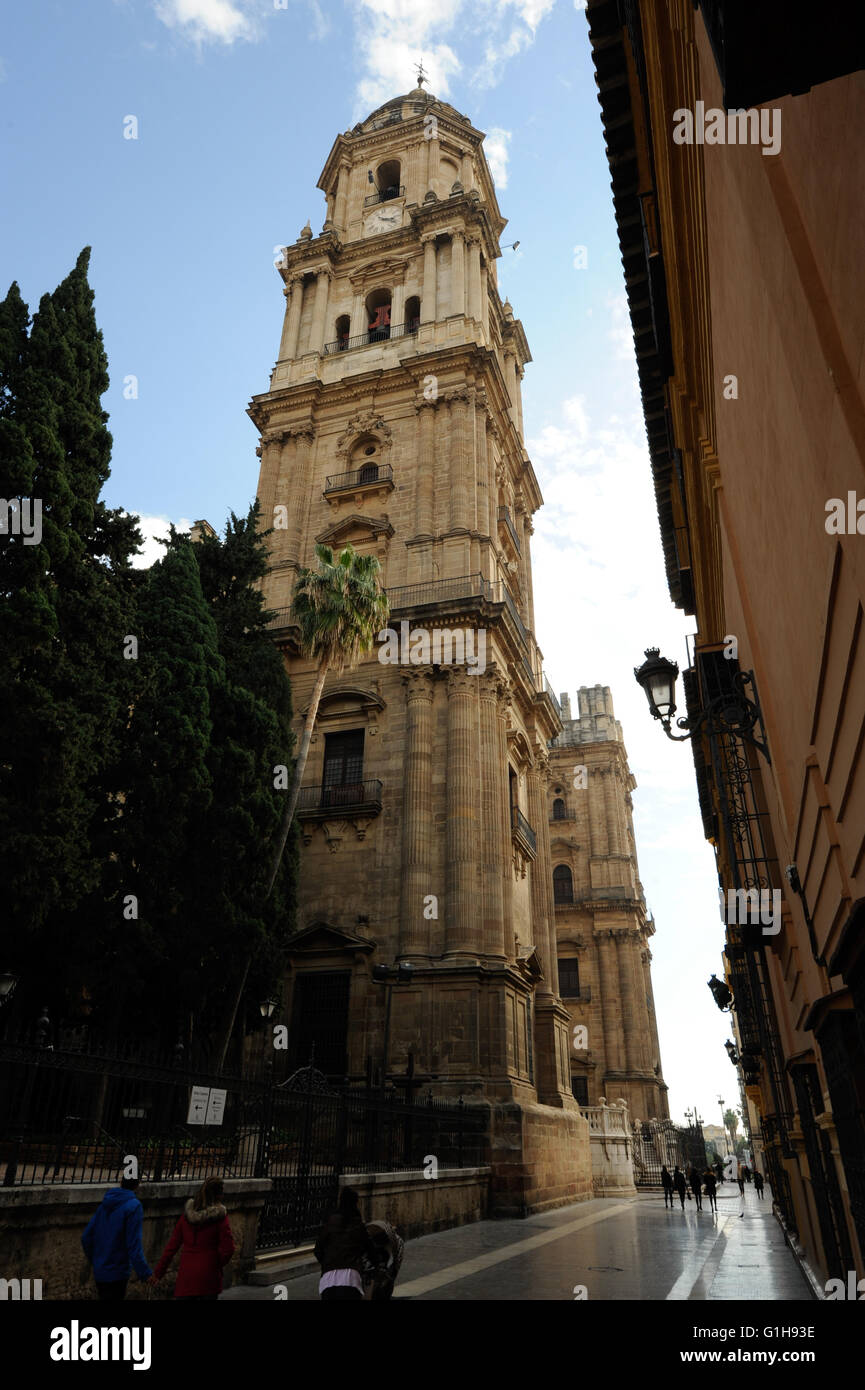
207	1244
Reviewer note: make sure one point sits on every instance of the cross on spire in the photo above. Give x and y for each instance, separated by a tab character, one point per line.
421	75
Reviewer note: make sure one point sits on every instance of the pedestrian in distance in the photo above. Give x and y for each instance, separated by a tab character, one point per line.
711	1185
342	1244
758	1184
203	1237
696	1181
679	1184
112	1242
741	1182
719	1170
667	1184
746	1172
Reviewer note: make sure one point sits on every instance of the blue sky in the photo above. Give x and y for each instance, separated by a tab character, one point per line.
237	103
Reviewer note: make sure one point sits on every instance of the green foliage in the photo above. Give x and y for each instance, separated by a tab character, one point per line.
340	606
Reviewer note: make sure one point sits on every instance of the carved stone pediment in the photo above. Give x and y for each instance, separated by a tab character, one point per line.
323	938
356	528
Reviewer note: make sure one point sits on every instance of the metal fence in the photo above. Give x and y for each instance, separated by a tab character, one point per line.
661	1143
79	1116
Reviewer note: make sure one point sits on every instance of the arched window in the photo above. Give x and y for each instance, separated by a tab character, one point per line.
378	315
364	458
558	809
343	331
387	180
563	884
412	314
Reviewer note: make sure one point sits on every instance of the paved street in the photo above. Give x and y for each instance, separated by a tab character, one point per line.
632	1248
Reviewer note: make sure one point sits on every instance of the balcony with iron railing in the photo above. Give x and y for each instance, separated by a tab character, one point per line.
523	833
373	335
505	516
348	798
371	475
384	195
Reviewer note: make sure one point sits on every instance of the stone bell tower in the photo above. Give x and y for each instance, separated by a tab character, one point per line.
394	421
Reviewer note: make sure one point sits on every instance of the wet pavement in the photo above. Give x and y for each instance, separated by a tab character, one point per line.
628	1248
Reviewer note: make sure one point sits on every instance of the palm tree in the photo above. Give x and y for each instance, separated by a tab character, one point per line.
339	607
731	1120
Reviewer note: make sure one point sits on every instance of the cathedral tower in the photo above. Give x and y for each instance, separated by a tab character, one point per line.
394	421
602	926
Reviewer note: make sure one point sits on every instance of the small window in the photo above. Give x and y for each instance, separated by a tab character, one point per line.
563	884
378	316
387	180
569	978
558	809
580	1088
343	331
369	473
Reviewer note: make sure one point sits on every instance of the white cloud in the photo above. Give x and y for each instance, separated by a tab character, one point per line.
209	21
496	151
154	529
520	18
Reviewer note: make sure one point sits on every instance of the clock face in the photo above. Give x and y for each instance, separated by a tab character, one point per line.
383	220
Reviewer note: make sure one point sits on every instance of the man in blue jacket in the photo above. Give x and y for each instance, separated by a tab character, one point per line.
112	1241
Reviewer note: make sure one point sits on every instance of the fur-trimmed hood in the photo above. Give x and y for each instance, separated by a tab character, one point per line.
200	1218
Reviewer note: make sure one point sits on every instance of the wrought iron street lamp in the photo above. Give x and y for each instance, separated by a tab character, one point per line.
732	712
730	1048
720	993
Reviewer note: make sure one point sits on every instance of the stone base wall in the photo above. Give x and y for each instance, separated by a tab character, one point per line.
418	1205
41	1229
541	1158
612	1149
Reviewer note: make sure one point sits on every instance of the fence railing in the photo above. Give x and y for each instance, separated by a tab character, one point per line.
359	477
372	335
521	827
345	796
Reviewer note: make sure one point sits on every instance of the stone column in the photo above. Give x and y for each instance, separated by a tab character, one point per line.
482	489
426	463
466	172
611	810
432	165
417	837
428	295
475	279
397	306
285	496
301	488
485	302
291	326
458	273
626	996
606	956
358	315
504	700
460	465
528	532
271	448
341	195
545	850
518	387
496	832
511	381
538	871
319	312
492	444
463	911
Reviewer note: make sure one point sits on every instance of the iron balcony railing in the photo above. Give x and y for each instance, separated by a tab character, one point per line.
372	335
462	586
282	618
505	516
521	828
384	195
552	694
359	477
347	796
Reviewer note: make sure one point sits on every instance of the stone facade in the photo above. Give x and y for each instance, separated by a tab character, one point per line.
602	926
425	837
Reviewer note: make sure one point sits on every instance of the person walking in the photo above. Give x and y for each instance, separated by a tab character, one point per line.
696	1187
112	1242
710	1183
203	1236
679	1184
342	1243
758	1183
741	1181
667	1185
379	1282
746	1172
719	1170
